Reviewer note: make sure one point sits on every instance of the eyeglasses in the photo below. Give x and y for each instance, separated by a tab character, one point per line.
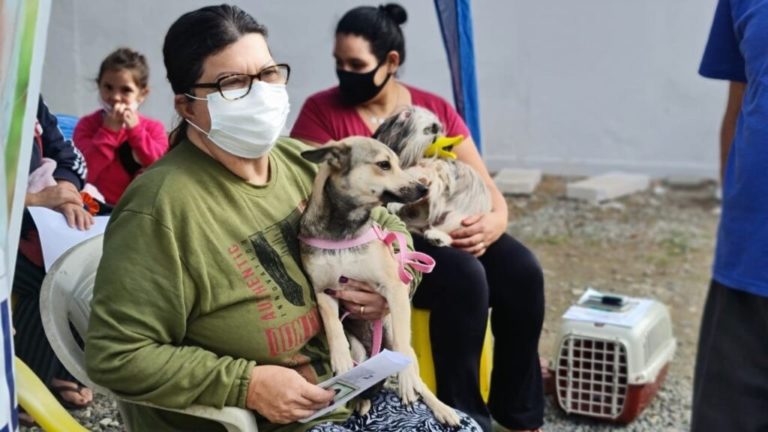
237	86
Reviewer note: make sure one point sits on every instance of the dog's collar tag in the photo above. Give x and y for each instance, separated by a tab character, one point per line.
443	146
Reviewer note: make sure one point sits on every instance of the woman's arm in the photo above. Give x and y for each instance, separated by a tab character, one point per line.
148	141
135	344
70	165
728	127
480	231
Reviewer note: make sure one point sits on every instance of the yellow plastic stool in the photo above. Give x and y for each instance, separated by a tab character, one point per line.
423	348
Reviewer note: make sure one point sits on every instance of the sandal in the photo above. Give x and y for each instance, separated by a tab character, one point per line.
67	387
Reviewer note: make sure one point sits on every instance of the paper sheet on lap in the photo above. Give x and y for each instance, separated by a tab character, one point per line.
56	237
360	378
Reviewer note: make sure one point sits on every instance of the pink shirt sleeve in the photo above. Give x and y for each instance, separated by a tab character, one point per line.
311	124
148	141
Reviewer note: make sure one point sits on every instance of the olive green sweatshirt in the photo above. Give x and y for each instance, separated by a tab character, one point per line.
199	282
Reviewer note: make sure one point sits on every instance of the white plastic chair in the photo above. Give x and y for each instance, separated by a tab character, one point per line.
66	297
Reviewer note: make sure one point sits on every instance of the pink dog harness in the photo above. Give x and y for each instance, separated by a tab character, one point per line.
416	260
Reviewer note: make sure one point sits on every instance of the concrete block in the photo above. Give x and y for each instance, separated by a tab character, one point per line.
517	181
607	186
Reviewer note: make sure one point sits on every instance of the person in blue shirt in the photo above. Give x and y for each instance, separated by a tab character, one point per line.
730	390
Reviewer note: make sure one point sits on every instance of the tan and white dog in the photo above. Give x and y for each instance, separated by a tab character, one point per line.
356	175
456	190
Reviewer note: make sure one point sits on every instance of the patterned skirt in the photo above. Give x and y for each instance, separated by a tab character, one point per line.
388	414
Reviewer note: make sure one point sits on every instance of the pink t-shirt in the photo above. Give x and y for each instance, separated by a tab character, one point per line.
324	118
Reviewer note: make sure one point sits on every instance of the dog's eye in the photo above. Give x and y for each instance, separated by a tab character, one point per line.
385	165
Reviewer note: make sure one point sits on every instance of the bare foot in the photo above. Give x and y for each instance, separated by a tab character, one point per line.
72	395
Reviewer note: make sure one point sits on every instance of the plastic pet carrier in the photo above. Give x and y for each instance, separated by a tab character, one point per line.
611	369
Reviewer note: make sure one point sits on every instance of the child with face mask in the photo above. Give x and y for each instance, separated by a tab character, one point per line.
117	141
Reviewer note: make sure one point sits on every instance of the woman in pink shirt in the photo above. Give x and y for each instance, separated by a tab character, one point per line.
116	140
485	267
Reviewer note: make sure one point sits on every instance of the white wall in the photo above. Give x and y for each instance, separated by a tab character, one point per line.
570	87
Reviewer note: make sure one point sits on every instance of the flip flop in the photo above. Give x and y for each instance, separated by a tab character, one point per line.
59	390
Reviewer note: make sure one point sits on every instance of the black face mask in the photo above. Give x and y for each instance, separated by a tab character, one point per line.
356	88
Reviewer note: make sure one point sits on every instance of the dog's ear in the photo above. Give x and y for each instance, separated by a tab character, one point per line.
396	130
336	154
405	114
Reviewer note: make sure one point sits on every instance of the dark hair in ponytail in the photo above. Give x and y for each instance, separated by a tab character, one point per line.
194	37
378	25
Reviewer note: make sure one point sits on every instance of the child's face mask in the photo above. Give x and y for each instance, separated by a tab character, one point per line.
134	106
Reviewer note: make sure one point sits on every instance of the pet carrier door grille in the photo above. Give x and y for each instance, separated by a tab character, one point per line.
591	376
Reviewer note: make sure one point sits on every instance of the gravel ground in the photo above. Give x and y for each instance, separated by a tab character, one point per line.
654	244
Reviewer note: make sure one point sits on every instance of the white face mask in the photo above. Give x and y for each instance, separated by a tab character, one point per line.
247	127
134	106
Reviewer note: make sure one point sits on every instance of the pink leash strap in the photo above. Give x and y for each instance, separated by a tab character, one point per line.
417	260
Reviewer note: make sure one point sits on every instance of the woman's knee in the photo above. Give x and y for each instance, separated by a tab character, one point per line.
461	276
457	286
515	276
457	265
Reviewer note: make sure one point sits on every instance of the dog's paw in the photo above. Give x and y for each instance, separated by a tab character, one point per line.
409	385
446	415
394	207
437	237
361	406
341	362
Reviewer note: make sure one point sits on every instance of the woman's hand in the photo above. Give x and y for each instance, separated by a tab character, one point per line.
479	232
77	216
361	300
283	396
53	197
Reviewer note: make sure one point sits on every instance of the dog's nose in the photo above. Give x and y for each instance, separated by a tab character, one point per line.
421	190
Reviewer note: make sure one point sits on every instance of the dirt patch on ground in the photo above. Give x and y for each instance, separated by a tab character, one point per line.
656	244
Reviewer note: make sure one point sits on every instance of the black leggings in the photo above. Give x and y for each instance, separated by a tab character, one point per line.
508	279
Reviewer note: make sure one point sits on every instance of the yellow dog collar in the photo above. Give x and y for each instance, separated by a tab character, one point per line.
443	146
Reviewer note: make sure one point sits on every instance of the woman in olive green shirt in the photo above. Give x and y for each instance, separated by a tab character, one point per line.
200	297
